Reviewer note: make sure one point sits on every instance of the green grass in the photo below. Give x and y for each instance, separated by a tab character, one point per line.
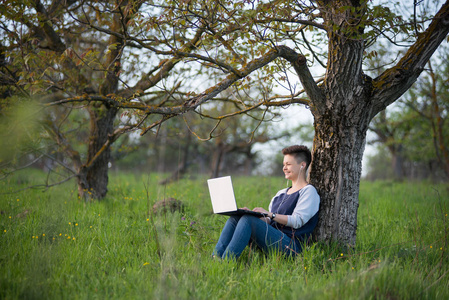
54	246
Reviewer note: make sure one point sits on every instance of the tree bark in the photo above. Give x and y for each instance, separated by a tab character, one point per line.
93	178
335	172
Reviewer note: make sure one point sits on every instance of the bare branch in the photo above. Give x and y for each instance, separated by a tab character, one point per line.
302	22
210	132
311	50
41	186
299	63
7	173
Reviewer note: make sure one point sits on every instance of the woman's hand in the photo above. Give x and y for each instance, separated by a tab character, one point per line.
261	210
266	219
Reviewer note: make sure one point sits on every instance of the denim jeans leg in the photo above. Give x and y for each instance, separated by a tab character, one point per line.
270	239
238	231
241	237
226	235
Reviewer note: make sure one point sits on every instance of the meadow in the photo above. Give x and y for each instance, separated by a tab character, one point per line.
55	246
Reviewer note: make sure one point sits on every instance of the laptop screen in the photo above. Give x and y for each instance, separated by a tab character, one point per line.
222	194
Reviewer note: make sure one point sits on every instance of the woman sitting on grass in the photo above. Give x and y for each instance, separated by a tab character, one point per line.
291	217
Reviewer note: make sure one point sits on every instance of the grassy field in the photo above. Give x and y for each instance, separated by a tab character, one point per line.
54	246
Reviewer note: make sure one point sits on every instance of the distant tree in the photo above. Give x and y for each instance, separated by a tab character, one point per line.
78	59
430	102
416	131
391	133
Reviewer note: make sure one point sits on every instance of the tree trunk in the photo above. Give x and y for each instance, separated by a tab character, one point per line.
93	178
341	113
437	124
336	172
216	159
397	161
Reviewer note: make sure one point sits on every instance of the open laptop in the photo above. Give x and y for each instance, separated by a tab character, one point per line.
223	199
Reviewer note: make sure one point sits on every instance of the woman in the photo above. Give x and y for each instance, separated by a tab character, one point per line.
291	217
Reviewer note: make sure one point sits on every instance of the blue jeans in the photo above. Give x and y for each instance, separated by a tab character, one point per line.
240	230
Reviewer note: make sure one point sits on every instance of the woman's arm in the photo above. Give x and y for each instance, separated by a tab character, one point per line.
306	207
281	219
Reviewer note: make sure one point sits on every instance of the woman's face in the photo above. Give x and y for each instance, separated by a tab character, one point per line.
291	167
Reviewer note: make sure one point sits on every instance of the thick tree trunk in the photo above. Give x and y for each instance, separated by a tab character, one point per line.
342	112
336	172
341	117
93	178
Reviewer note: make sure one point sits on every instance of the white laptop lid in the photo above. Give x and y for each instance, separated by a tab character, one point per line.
222	194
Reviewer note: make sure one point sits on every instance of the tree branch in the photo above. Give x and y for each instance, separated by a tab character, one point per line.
230	79
299	63
65	145
166	66
53	39
392	83
302	22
